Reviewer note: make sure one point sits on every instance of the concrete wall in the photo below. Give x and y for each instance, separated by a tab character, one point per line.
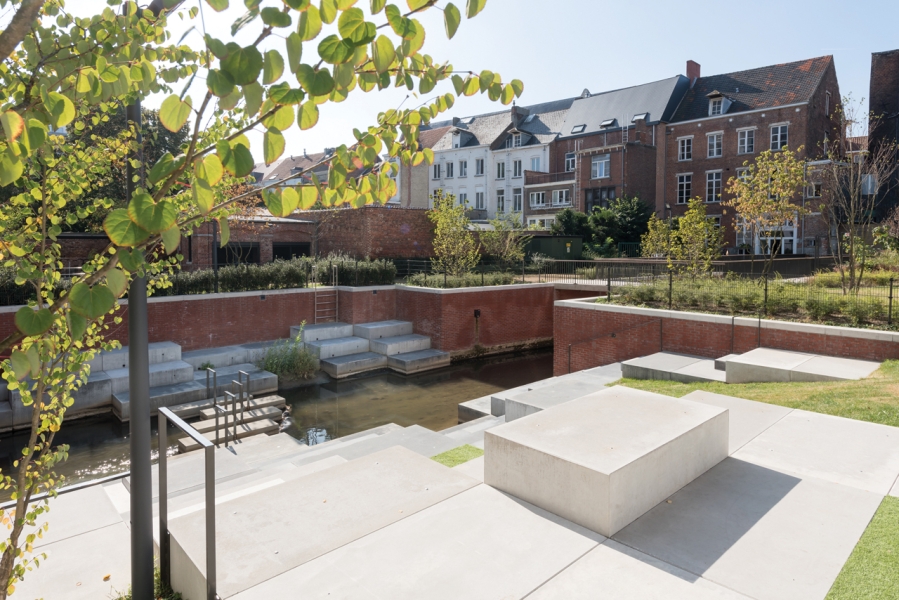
589	327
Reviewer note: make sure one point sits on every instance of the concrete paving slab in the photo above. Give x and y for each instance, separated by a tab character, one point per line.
75	567
76	513
768	534
721	363
701	370
747	419
764	364
612	571
468	411
548	396
419	360
242	430
612	370
605	459
833	368
856	453
895	490
333	508
187	472
351	364
382	329
498	400
656	366
477	544
415	438
473	468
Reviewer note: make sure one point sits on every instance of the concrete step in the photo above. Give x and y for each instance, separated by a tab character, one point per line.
228	355
323	331
165	373
159	352
498	400
672	367
415	438
475	409
401	344
560	391
382	329
721	363
203	408
351	364
166	395
261	382
187	444
340	346
268	412
419	360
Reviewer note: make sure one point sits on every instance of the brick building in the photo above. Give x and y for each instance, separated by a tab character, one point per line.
726	120
883	104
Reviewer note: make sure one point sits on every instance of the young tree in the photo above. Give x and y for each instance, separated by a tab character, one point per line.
854	181
631	218
764	196
505	241
656	242
62	71
455	249
690	243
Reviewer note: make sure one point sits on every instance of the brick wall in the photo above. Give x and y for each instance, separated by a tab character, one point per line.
589	329
367	304
376	232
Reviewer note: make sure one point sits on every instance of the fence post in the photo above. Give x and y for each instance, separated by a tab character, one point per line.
766	295
670	287
482	275
890	310
522	270
609	285
357	272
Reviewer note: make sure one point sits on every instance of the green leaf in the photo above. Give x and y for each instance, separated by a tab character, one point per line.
281	120
351	26
33	322
416	4
13	124
274	17
507	95
383	53
117	282
472	85
412	45
203	195
474	7
243	65
451	18
163	168
61	109
335	51
272	68
21	366
281	204
298	4
282	93
171	239
217	47
34	361
219	83
11	167
131	260
308	115
517	86
35	136
294	51
225	230
209	168
236	159
77	325
377	6
122	230
243	21
173	112
315	82
272	145
310	24
217	5
253	95
308	196
152	216
91	302
328	11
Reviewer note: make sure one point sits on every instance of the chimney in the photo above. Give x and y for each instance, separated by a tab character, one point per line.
692	71
518	114
641	130
456	121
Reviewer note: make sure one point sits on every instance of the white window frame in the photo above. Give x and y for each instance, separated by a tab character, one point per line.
479	202
827	103
435	171
715	144
449	170
500	200
462	197
517	195
516	169
742	173
597	172
516	140
501	169
682	180
814	190
685	148
716	107
711	180
463	168
478	167
535	164
783	131
570	162
561	197
538	199
746	140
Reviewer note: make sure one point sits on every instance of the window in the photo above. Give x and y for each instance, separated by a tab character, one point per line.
827	104
607	123
535	164
743	174
713	186
716	221
715	106
814	190
479	166
516	140
479	201
716	141
500	200
746	141
516	168
516	200
463	168
561	197
598	198
538	199
541	222
449	170
779	136
685	149
436	170
569	162
501	170
599	166
578	129
463	198
507	143
684	188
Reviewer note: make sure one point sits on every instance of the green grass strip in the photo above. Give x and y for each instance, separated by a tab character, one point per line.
457	456
872	571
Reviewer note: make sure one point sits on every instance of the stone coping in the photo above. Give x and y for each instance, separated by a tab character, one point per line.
363	288
809	328
496	288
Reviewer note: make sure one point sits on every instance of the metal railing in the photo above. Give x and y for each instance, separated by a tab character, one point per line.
165	552
536	177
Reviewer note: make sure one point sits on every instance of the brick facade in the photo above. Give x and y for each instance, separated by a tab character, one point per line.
264	234
375	232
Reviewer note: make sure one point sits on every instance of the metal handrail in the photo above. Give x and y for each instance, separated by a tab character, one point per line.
165	556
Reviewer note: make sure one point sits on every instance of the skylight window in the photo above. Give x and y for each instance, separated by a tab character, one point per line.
529	118
640	117
467	120
578	128
607	123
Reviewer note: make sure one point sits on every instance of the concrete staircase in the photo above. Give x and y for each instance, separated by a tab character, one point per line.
346	350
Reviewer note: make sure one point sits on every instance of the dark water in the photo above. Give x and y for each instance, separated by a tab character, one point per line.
99	445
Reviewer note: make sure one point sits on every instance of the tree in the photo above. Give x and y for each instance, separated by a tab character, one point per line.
690	243
505	241
572	223
656	242
62	74
631	218
455	249
763	196
854	181
625	220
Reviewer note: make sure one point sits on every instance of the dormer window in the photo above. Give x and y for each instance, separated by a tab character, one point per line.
640	117
508	142
578	129
516	140
715	106
607	123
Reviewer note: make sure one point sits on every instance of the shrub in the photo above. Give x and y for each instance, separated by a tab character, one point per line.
864	311
460	281
289	359
354	272
819	308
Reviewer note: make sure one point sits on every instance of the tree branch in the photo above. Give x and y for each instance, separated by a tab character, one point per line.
19	27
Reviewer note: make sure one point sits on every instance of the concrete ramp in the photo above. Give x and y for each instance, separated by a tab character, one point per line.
769	364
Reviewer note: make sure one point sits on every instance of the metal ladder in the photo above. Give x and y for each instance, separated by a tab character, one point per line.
326	301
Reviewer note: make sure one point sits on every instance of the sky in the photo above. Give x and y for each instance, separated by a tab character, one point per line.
560	47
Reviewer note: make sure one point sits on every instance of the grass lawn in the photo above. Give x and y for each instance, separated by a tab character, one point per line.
875	399
872	571
457	456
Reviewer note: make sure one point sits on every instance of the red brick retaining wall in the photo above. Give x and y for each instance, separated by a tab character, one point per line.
366	304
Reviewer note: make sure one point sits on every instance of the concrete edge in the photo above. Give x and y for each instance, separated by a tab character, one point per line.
491	288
